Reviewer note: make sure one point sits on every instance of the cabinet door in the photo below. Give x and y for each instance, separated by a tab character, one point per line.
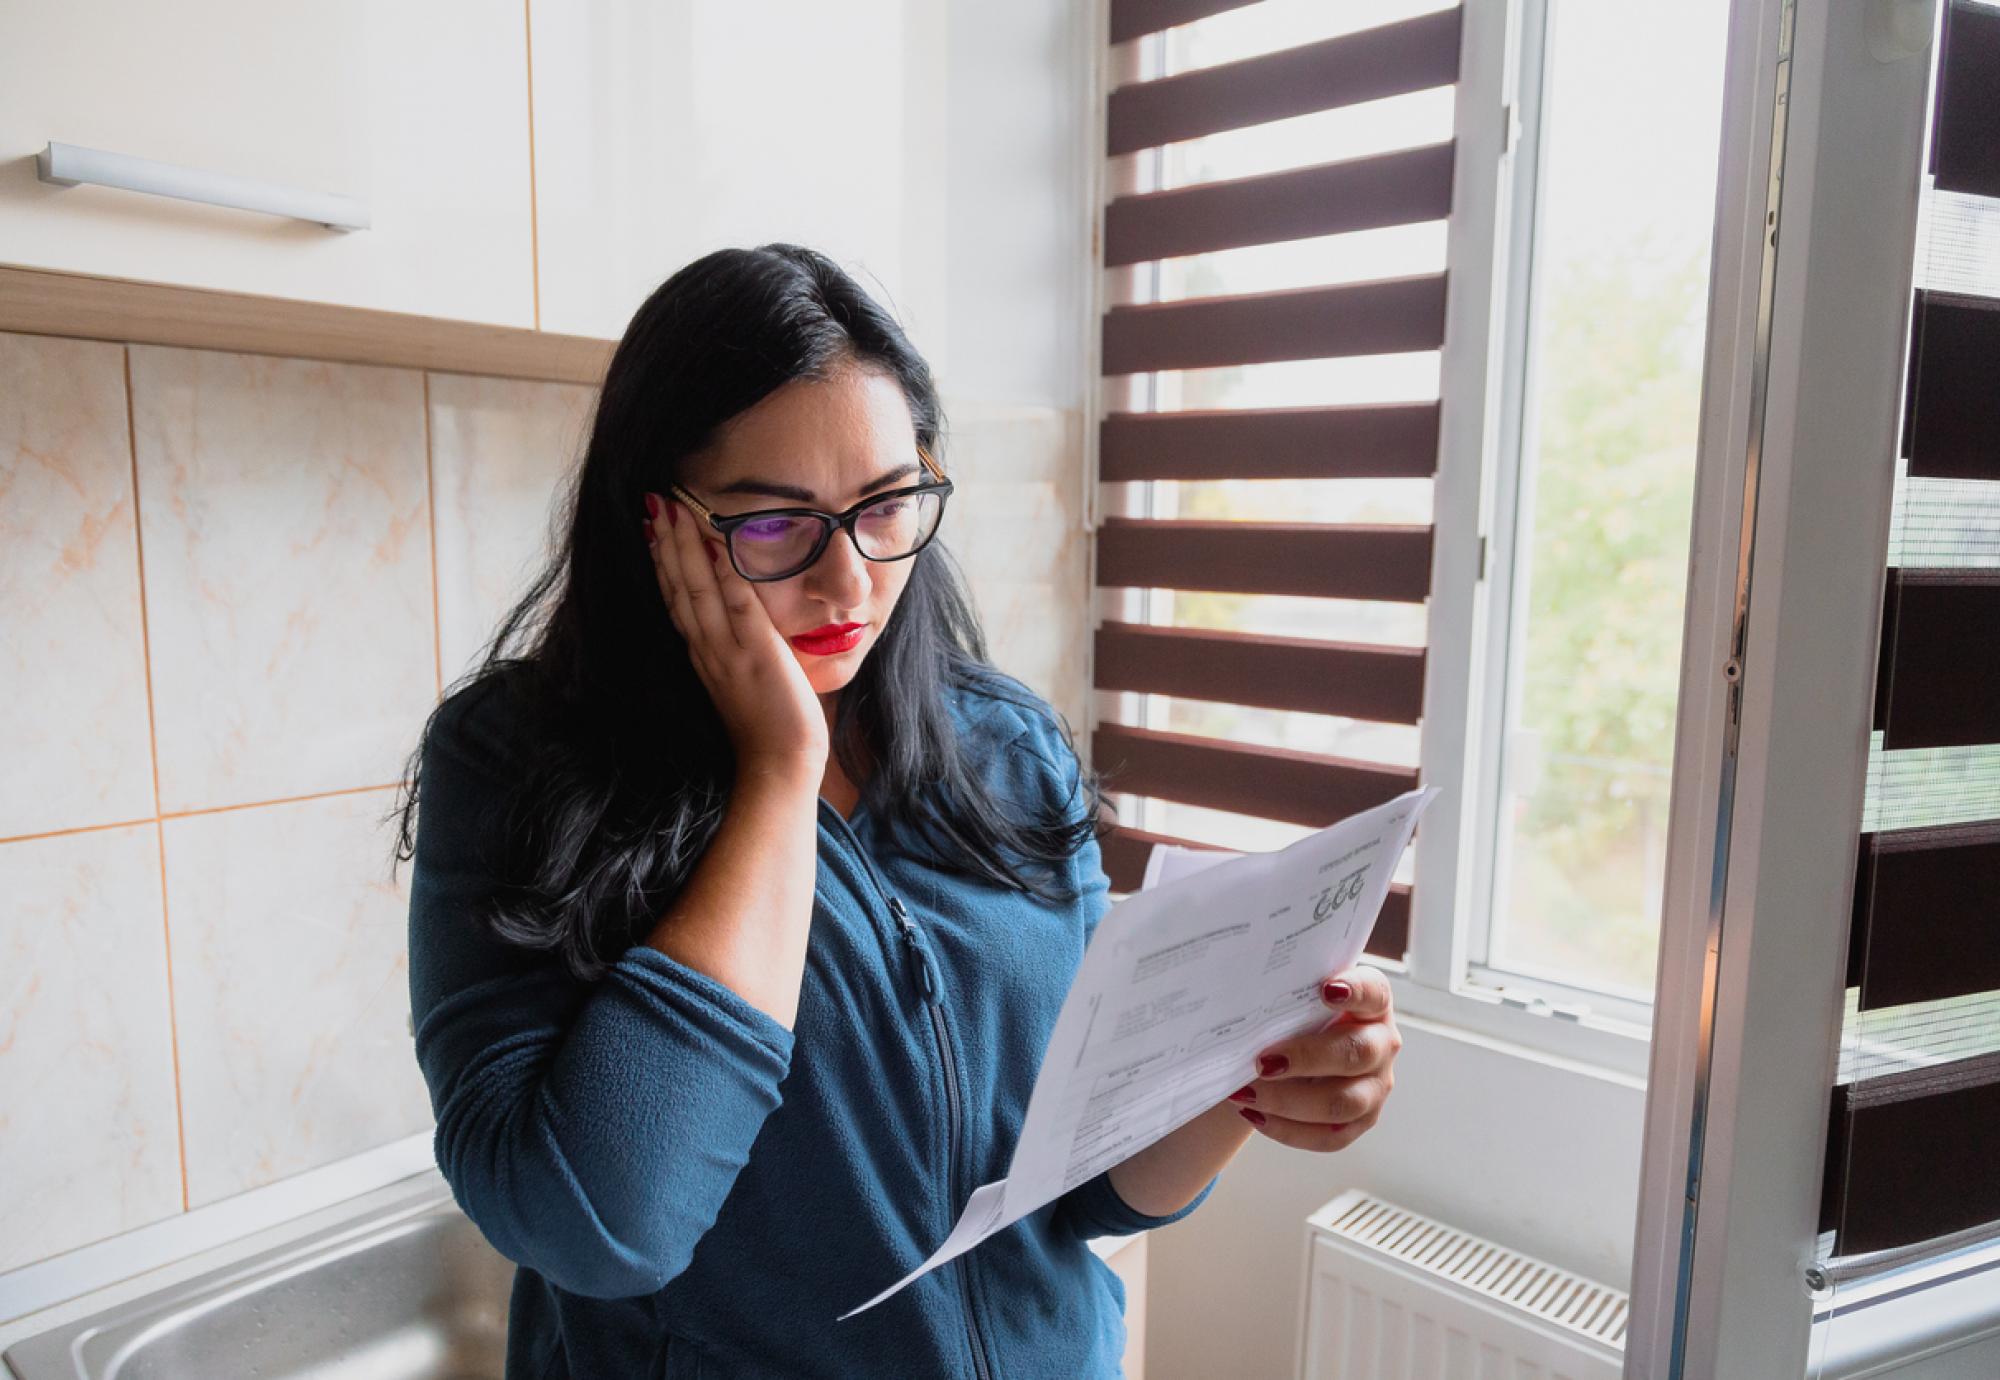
664	130
421	111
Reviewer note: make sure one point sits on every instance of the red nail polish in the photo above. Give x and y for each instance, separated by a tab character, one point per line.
652	506
673	515
1251	1115
714	551
1336	1126
1246	1093
1271	1065
1335	992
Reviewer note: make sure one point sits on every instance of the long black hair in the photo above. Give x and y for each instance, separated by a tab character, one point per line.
628	765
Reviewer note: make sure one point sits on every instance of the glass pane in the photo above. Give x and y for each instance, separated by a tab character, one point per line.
1286	615
1274	24
1411	377
1624	209
1395	251
1390	501
1393	745
1325	136
1924	788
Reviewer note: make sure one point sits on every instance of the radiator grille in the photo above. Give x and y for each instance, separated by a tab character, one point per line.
1556	1297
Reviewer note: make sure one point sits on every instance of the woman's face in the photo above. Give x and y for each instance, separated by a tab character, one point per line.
823	444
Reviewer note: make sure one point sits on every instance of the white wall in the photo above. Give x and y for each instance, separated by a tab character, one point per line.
1014	163
1538	1155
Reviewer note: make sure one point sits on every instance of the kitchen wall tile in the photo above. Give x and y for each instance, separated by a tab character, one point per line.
286	546
291	986
72	650
88	1141
500	449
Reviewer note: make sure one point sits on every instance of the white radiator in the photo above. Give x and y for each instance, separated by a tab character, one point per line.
1393	1295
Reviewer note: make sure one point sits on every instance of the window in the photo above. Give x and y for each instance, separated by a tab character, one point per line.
1614	181
1274	309
1298	214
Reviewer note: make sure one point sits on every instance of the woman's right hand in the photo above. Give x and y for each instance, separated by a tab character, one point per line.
772	713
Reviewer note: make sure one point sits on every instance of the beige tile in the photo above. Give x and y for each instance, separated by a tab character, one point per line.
500	449
291	984
88	1142
288	576
72	651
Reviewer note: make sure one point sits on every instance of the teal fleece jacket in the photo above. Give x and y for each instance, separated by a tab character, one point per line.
690	1189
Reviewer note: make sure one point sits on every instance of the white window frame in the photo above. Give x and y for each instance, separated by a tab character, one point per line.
1509	534
1502	52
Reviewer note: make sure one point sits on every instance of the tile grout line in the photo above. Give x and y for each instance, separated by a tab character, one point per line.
204	810
430	505
534	228
153	746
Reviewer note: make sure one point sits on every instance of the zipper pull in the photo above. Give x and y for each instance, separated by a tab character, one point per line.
922	963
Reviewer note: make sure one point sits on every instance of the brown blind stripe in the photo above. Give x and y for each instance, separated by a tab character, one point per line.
1360	194
1132	19
1413	55
1391	441
1938	681
1388	317
1313	559
1966	153
1924	922
1910	1156
1271	783
1125	852
1951	424
1385	684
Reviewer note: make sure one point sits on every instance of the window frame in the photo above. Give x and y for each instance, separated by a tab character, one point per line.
1508	538
1487	250
1478	503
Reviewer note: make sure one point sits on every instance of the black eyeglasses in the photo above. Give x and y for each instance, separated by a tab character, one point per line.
778	543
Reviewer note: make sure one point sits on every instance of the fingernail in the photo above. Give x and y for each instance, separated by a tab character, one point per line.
1254	1117
646	526
1336	1126
714	552
1335	991
1246	1093
673	515
652	506
1271	1065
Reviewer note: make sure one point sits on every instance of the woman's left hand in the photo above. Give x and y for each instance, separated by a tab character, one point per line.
1330	1087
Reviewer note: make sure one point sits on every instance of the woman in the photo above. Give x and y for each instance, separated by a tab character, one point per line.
745	898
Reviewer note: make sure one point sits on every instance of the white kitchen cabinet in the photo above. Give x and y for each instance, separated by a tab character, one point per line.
668	128
421	111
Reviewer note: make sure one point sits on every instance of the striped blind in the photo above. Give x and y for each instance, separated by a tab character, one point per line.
1146	645
1913	1152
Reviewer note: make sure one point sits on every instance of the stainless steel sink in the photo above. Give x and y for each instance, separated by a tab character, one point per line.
410	1291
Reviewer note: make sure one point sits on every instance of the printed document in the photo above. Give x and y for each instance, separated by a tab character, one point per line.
1216	957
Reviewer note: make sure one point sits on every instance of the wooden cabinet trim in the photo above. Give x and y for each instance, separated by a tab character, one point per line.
42	302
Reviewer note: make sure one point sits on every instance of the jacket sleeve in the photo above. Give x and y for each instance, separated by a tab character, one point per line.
1093	1207
590	1130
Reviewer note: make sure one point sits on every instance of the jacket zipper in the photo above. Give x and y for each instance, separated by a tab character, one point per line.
924	969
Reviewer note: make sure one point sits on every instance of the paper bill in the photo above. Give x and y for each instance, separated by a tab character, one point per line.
1217	957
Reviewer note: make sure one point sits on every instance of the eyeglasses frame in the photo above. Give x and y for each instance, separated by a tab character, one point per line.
726	523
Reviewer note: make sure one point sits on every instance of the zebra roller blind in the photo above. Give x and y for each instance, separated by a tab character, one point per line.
1915	1134
1210	639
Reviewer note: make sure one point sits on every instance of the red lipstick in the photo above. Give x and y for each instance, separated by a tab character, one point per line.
830	640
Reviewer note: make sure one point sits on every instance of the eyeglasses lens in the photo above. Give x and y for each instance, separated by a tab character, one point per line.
772	548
